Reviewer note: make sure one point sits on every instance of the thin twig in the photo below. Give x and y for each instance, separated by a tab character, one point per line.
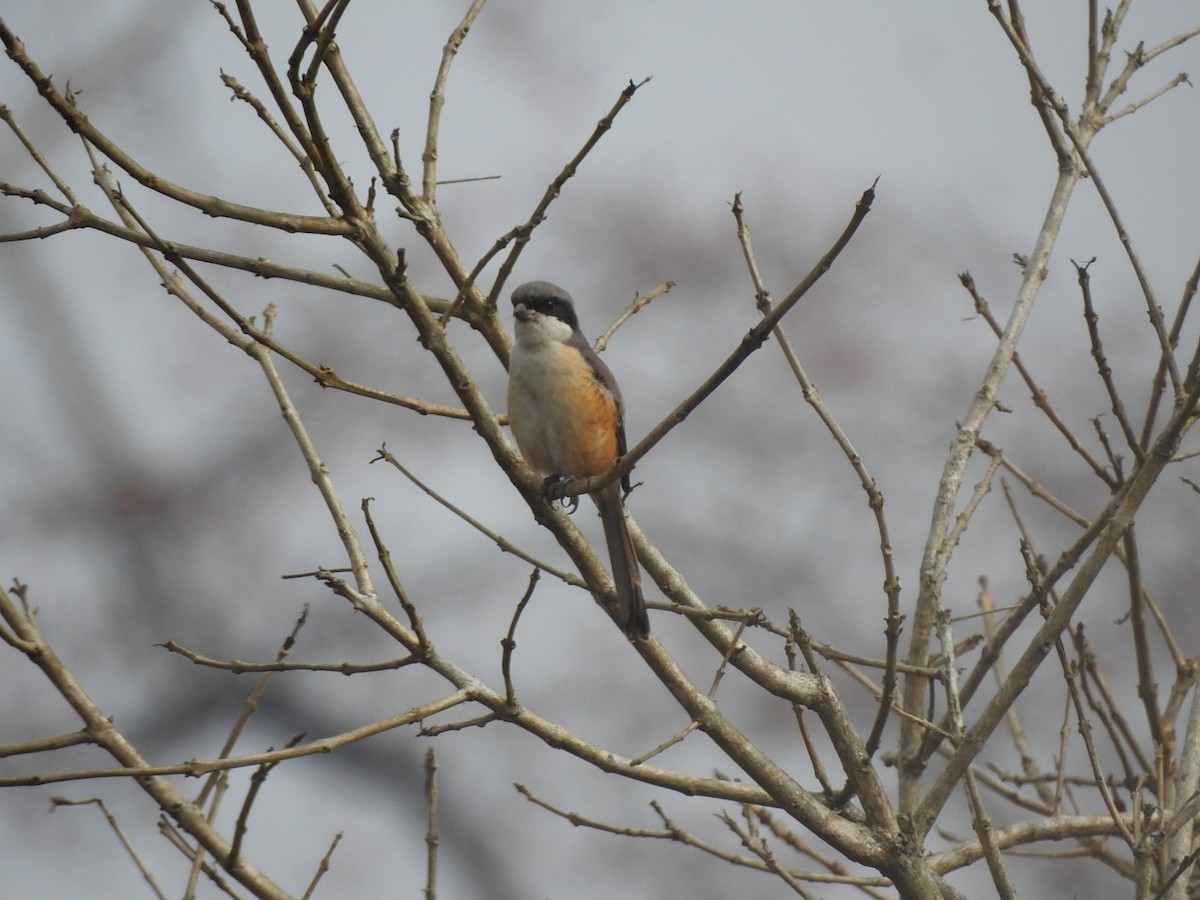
257	49
499	540
674	739
322	868
520	235
178	839
1040	399
827	860
1147	686
113	742
752	341
321	478
257	780
147	876
437	99
1080	141
1098	354
937	553
1131	108
290	144
639	303
79	123
757	844
1112	525
1015	727
980	821
385	559
197	767
691	726
1108	708
1085	731
431	825
173	284
982	488
43	745
938	548
672	832
38	157
1159	384
323	31
251	704
239	667
875	498
1136	60
80	217
509	643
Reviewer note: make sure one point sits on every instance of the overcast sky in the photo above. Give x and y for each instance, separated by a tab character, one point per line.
149	490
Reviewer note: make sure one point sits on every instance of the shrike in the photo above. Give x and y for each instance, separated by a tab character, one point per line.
565	411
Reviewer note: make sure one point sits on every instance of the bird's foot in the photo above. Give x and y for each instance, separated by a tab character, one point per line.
552	490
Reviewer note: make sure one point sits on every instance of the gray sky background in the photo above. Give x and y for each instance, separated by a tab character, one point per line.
150	491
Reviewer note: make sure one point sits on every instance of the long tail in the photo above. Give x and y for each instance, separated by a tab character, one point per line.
624	562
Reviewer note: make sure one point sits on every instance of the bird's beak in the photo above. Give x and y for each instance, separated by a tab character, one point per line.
522	313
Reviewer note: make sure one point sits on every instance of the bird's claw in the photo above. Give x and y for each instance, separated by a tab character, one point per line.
552	490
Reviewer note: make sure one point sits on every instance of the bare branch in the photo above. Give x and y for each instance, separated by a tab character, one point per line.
437	99
141	770
385	559
38	157
1040	399
1116	518
66	107
431	825
639	303
499	540
105	734
520	235
753	340
238	667
320	476
510	641
1175	82
938	548
875	499
44	745
323	867
147	875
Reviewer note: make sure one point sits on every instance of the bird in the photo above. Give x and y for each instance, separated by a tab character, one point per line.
566	413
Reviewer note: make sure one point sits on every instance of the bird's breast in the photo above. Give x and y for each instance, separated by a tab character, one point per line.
563	419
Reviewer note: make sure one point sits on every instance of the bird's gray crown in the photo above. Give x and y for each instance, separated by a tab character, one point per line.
547	299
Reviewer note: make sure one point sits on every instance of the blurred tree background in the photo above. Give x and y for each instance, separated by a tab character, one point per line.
150	490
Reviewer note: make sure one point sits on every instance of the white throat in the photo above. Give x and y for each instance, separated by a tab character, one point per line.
539	330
